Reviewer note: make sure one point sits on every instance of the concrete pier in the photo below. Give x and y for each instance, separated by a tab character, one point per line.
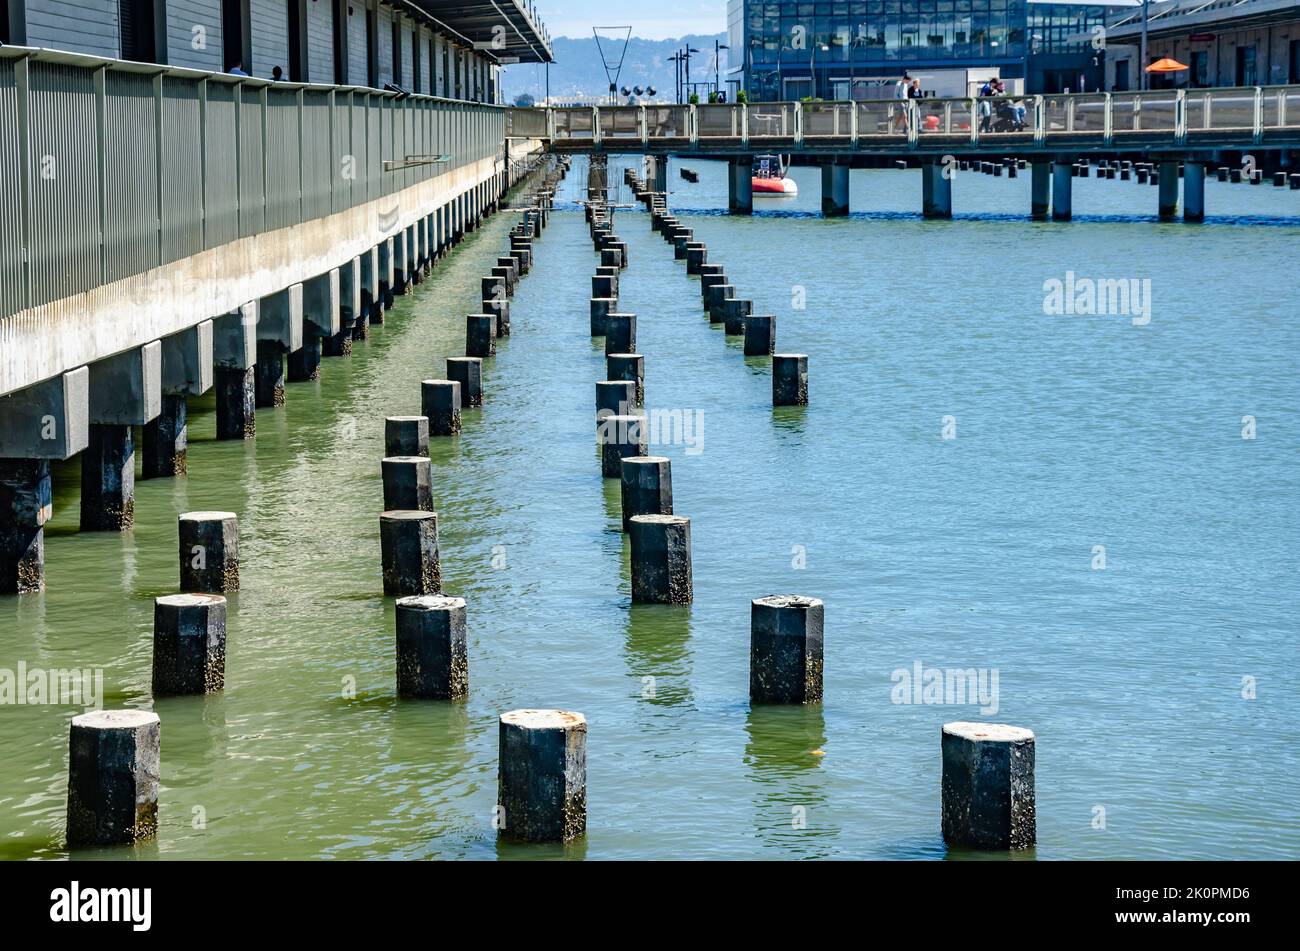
835	191
614	398
189	644
406	436
716	300
789	379
696	255
735	313
740	186
108	479
480	335
114	759
988	786
432	660
209	552
936	191
269	374
1062	184
602	285
785	649
646	487
620	333
760	335
661	559
600	309
440	403
627	366
612	273
1193	192
25	507
500	309
279	331
1168	185
165	441
683	238
321	321
407	483
542	775
468	372
1040	187
408	543
187	370
620	436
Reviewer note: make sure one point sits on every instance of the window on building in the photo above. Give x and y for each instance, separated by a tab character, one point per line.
372	47
1295	62
297	41
12	28
1199	73
1245	65
142	31
1121	75
236	35
342	10
416	85
397	52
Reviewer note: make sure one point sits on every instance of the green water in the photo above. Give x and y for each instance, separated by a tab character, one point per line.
973	552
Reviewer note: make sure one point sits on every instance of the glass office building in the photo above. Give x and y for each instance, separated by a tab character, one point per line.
841	49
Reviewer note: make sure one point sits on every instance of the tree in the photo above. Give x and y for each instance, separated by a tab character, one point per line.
524	100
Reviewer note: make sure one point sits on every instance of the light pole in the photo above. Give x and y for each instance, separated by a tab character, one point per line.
689	50
676	60
717	65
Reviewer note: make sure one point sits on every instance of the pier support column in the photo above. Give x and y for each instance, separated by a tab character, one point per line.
661	559
835	191
321	325
209	551
1062	184
1193	191
988	786
189	644
440	401
740	186
646	486
385	281
370	298
279	331
187	361
1168	189
432	662
1040	190
234	355
785	649
542	775
936	191
25	507
113	771
125	391
408	543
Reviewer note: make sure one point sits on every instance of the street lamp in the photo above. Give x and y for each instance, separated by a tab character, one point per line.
717	65
688	51
676	60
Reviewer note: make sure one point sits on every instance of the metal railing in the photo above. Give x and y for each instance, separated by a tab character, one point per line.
1169	118
109	169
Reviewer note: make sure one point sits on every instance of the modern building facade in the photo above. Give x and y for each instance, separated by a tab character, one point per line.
842	49
1222	42
452	50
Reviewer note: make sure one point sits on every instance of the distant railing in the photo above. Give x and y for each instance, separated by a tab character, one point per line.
1173	117
108	168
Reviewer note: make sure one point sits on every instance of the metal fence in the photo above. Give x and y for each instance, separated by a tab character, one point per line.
108	169
1171	118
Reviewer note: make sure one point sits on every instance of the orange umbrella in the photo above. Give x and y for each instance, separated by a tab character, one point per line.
1166	65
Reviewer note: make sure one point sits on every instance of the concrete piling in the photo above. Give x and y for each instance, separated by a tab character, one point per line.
108	479
114	761
696	254
620	436
614	398
500	309
25	507
480	335
542	775
683	238
189	644
789	379
646	487
407	483
408	542
209	552
717	298
236	397
165	440
620	333
270	374
661	559
735	313
602	285
440	402
760	335
600	309
627	366
988	786
785	649
432	661
406	436
468	372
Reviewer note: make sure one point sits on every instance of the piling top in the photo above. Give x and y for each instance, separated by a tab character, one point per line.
787	601
194	600
406	460
988	732
404	419
115	720
431	602
455	383
544	720
463	360
660	519
206	516
644	460
622	356
407	515
789	356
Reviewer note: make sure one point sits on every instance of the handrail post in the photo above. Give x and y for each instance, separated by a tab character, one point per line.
1108	119
798	124
643	125
1259	115
913	130
1040	120
853	124
693	125
596	131
1180	116
974	120
744	124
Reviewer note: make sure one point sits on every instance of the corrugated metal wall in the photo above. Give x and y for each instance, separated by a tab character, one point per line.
221	165
270	20
194	34
182	170
252	202
13	283
283	171
317	155
130	176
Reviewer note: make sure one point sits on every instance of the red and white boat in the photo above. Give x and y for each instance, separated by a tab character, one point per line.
769	178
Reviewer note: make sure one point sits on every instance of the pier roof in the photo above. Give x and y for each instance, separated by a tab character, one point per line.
510	30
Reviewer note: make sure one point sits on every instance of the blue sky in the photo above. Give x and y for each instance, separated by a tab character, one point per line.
652	19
